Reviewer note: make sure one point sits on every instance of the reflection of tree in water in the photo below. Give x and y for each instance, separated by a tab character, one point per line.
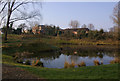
46	56
91	52
100	54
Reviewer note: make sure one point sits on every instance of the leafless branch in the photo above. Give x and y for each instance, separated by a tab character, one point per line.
19	5
3	7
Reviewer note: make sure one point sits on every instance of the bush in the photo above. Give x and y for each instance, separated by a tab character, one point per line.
37	63
96	62
112	62
116	60
66	64
82	64
72	65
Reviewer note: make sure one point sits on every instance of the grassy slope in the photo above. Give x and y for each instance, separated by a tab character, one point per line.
17	43
90	72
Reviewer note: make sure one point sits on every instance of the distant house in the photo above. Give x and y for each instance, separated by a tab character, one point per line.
37	29
26	31
75	30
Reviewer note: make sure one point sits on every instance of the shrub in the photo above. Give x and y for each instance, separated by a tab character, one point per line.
72	65
37	63
82	64
115	60
112	62
79	65
66	64
40	64
96	62
33	62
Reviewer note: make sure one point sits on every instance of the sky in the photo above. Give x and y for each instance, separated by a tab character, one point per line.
61	13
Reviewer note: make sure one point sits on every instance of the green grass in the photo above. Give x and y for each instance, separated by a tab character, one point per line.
90	72
19	43
15	40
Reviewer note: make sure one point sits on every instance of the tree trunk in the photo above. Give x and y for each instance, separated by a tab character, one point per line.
8	19
7	26
6	34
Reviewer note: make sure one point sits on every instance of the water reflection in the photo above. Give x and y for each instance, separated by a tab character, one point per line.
57	59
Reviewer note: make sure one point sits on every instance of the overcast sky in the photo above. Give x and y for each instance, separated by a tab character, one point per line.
61	13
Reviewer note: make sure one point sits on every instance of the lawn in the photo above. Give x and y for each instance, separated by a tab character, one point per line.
90	72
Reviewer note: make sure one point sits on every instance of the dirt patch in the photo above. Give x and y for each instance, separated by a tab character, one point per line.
12	72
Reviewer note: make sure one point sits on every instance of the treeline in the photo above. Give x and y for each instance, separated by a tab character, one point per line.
81	33
51	30
17	31
91	34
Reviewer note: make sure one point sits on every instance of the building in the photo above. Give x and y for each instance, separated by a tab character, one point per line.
37	29
26	31
75	30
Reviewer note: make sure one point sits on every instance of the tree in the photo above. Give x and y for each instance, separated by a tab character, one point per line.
13	10
116	20
84	26
116	15
101	31
22	26
74	24
90	26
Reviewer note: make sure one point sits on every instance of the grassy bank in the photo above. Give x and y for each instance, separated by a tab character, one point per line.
58	40
90	72
19	43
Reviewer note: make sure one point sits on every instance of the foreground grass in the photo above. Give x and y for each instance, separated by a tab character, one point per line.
90	72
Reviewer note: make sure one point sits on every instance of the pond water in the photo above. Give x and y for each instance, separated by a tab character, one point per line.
57	59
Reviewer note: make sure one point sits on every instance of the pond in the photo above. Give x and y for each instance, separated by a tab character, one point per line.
77	55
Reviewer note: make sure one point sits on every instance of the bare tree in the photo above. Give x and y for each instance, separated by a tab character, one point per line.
84	26
90	26
116	20
34	23
23	26
13	11
116	15
74	24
